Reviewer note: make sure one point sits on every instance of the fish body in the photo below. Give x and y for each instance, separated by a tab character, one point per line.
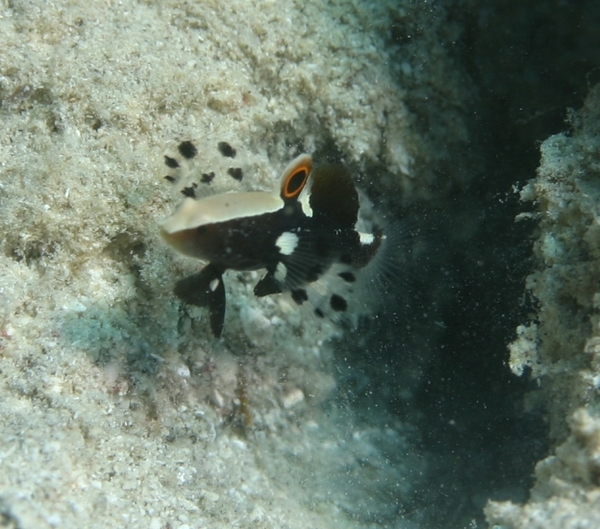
296	234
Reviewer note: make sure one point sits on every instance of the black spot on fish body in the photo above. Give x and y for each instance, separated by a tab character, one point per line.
349	277
226	150
236	173
187	149
338	303
190	191
170	178
299	296
171	162
207	178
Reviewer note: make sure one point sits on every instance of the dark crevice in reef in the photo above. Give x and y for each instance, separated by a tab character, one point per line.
438	360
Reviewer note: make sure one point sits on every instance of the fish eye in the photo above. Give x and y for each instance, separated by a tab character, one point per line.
295	176
295	183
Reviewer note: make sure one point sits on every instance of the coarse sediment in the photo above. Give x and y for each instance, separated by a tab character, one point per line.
117	407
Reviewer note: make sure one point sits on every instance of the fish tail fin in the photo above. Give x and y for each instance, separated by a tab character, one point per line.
403	248
379	274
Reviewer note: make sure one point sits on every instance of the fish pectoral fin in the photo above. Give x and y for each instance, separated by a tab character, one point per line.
266	286
205	289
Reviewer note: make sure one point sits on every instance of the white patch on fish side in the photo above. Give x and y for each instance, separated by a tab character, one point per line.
366	238
213	285
287	242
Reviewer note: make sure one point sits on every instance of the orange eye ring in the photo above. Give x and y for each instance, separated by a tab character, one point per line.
295	183
295	177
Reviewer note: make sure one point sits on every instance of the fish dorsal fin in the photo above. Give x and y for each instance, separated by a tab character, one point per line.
333	196
295	176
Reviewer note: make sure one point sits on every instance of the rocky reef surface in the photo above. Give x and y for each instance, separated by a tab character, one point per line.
560	345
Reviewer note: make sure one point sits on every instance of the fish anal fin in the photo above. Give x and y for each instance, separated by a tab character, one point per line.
266	286
205	289
216	307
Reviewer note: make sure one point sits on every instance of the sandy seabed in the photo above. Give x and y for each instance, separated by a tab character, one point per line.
117	407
